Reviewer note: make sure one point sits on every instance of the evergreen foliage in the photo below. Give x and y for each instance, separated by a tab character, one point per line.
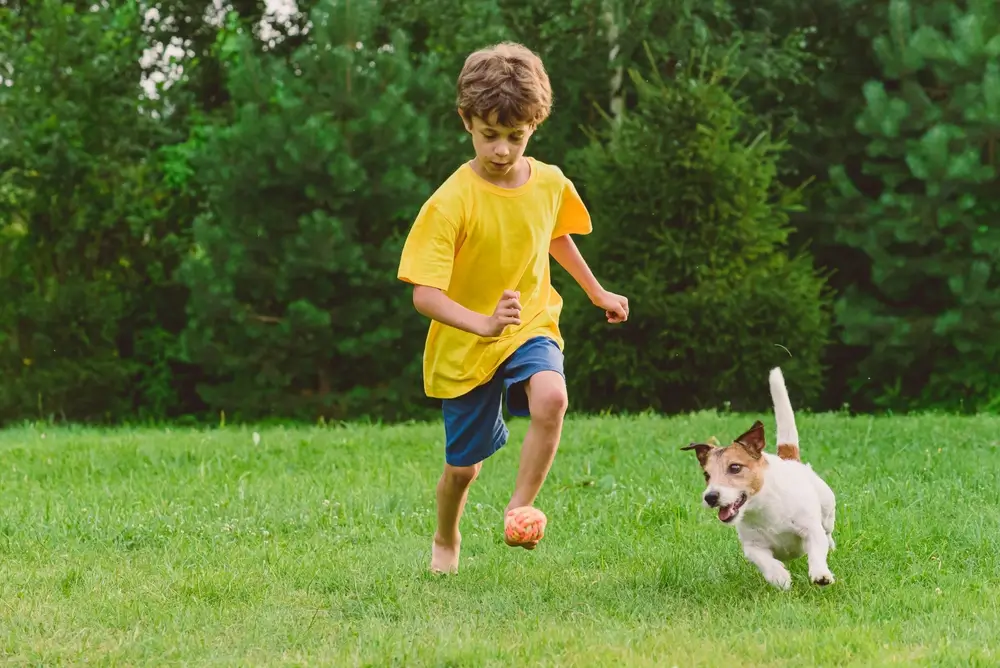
925	212
690	223
86	247
295	310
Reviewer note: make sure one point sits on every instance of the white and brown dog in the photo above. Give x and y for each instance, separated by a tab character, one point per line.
780	507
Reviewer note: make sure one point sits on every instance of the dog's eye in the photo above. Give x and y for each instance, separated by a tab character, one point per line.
735	468
706	476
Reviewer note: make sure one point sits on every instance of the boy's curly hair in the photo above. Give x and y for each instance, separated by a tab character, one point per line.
508	79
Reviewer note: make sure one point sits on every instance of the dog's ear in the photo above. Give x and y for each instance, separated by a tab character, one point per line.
702	450
753	440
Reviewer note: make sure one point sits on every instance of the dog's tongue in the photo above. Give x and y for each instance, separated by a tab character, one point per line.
726	513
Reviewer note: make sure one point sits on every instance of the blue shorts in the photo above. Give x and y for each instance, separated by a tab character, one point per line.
473	423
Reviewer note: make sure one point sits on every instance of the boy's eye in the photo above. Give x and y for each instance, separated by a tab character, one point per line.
493	137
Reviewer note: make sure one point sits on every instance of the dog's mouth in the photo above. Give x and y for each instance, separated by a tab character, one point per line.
728	513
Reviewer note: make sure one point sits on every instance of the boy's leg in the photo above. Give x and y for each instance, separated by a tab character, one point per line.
548	402
536	388
474	430
452	492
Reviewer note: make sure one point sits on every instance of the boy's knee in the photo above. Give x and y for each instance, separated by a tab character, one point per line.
461	476
547	397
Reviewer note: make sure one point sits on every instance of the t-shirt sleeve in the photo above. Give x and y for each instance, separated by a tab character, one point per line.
429	250
573	217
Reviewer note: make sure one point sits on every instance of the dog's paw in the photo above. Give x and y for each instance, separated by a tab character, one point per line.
780	578
822	578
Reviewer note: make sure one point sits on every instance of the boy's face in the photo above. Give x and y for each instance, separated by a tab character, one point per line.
499	148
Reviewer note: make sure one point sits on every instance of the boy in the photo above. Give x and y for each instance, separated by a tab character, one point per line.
494	314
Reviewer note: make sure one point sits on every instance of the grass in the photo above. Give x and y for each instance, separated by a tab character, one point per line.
146	547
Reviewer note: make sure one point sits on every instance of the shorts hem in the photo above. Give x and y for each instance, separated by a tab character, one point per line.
475	456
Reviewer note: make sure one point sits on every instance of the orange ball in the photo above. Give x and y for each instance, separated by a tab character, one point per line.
524	524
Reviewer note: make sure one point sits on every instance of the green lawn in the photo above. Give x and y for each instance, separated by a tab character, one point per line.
157	547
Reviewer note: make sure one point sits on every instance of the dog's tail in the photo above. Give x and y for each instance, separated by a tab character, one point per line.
788	434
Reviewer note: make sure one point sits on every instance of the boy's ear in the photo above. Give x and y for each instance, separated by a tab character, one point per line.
465	121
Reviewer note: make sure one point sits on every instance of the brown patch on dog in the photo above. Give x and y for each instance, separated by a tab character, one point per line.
753	440
740	465
738	468
789	451
702	451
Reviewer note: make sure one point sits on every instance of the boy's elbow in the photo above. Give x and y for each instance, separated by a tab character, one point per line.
422	296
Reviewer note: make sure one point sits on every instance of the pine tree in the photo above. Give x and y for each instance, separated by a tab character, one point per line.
925	210
691	224
295	310
85	246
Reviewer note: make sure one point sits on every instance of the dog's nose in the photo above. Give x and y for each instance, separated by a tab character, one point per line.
712	498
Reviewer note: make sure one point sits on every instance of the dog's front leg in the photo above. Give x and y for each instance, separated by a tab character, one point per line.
773	570
817	546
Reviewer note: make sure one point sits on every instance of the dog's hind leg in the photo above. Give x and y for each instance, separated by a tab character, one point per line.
828	512
817	544
828	521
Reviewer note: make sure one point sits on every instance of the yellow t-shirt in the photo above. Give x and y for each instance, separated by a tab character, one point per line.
473	240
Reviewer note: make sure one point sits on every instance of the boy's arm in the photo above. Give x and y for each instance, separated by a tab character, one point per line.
565	252
435	304
426	263
573	218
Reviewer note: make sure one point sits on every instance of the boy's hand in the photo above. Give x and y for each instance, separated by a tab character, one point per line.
615	306
507	312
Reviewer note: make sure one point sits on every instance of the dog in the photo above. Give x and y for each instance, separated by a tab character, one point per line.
780	507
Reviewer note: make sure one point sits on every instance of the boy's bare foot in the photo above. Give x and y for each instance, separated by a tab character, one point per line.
444	556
